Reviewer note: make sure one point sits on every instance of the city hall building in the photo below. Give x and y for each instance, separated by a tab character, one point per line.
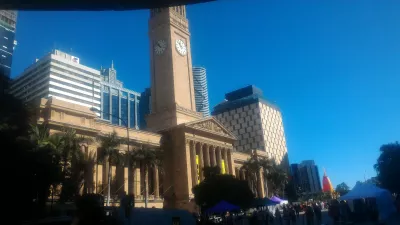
189	140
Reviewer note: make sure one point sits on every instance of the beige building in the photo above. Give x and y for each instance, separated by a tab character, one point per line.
255	122
190	142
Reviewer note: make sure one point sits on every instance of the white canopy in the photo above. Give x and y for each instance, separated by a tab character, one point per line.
383	198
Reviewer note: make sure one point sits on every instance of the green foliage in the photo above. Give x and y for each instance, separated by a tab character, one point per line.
342	188
388	167
33	164
292	191
211	171
216	188
278	179
274	176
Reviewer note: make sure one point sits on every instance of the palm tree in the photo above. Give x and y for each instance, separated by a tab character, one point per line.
132	160
252	168
268	165
149	157
279	179
109	144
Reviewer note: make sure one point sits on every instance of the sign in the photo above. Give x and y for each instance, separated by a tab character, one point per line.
176	221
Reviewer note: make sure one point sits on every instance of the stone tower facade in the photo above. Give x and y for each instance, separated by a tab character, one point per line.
172	92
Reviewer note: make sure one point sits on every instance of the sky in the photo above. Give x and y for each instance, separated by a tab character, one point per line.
333	67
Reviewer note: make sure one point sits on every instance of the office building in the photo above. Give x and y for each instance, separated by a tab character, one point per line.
201	90
59	75
295	174
256	123
144	107
8	22
309	179
120	106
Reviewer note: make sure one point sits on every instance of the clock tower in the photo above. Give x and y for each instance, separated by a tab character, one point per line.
172	92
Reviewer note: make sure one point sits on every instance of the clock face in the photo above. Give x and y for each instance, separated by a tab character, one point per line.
180	47
160	46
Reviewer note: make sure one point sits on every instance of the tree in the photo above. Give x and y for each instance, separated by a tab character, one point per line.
109	144
292	191
74	162
388	167
253	168
342	188
148	157
34	164
211	171
216	188
278	178
268	166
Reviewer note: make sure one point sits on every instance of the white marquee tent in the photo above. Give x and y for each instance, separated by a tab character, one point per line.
383	198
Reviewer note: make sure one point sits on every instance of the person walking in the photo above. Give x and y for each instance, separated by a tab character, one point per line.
334	211
292	214
318	213
278	216
286	215
309	215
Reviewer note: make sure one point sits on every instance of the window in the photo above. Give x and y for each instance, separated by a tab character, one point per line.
124	112
115	110
132	114
3	56
5	47
6	38
106	106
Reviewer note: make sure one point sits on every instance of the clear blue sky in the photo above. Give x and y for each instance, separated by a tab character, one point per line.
333	67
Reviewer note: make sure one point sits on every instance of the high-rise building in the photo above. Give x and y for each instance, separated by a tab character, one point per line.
201	90
144	107
59	75
256	123
8	21
120	106
309	179
295	174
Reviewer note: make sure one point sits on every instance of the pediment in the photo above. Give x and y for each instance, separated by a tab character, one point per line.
210	124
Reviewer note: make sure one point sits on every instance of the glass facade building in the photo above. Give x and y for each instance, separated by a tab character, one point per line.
201	90
120	106
144	106
8	21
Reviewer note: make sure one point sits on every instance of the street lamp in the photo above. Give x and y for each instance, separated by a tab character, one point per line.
127	136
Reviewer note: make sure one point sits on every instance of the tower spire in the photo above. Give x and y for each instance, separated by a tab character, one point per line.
112	64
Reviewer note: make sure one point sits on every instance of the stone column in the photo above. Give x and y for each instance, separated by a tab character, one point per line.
226	162
231	164
212	156
137	182
126	179
206	155
260	184
219	158
105	176
201	162
193	163
156	182
237	173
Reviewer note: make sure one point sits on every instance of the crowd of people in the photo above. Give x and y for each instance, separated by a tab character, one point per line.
309	213
288	214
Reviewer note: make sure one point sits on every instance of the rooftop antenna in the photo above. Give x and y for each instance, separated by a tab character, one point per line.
112	64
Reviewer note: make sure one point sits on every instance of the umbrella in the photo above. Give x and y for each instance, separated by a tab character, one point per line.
258	202
276	199
221	207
